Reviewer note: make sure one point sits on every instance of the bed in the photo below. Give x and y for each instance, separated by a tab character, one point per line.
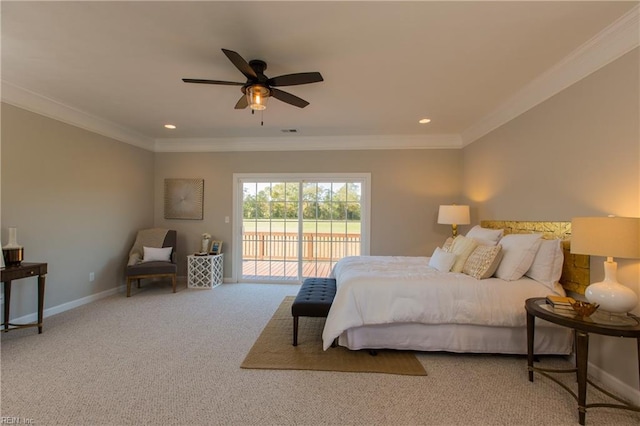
408	303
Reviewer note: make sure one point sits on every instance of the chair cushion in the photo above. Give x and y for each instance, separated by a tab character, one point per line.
152	268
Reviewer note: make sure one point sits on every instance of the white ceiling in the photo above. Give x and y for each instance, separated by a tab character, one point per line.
116	67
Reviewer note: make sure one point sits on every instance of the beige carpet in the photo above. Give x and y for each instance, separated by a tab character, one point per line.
164	359
274	350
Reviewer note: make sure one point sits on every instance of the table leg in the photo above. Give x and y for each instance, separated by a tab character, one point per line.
7	303
40	302
582	355
531	326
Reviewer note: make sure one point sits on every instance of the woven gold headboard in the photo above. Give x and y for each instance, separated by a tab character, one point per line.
575	270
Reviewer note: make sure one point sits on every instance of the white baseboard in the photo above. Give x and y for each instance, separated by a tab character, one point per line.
74	303
68	305
614	384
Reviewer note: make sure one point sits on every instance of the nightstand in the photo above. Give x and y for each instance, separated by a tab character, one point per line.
599	323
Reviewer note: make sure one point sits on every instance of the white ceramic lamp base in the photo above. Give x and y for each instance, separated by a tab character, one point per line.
610	294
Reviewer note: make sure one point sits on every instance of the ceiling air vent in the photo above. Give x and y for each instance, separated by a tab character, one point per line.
289	130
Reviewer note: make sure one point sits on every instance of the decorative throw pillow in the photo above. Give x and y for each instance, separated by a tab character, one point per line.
485	235
483	261
447	244
442	260
462	247
547	264
151	254
517	257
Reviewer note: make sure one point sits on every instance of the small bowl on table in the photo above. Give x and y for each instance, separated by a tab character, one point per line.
584	309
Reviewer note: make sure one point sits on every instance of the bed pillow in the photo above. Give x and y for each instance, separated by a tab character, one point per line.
442	260
462	247
151	254
447	244
485	236
547	263
519	251
483	261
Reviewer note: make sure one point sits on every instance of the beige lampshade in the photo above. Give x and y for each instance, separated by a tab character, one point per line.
454	215
606	236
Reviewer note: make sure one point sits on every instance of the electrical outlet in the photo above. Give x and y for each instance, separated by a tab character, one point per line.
226	219
92	276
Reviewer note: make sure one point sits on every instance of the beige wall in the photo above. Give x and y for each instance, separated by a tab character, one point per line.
577	154
77	199
407	187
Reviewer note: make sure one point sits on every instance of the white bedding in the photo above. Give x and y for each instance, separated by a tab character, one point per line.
373	290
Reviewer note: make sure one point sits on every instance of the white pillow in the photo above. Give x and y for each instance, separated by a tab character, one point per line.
442	260
547	264
462	247
518	253
151	254
485	236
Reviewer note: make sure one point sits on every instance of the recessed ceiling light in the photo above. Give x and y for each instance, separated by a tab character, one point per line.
425	121
170	126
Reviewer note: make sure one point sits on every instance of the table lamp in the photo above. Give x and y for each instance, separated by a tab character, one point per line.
610	237
454	215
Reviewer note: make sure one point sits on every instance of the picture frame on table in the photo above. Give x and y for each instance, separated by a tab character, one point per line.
216	247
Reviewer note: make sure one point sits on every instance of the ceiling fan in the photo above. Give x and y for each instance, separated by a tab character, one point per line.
258	87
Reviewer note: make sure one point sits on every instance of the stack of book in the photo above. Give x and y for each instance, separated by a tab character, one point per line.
560	301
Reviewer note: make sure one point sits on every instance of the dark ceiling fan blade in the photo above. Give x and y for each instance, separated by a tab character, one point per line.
242	103
288	98
295	79
226	83
241	64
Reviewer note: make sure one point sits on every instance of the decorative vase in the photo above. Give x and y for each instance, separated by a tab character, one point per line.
205	245
12	253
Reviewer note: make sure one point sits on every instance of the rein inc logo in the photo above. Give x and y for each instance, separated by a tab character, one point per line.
7	420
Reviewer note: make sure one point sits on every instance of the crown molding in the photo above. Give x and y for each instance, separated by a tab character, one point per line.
31	101
614	41
619	38
309	143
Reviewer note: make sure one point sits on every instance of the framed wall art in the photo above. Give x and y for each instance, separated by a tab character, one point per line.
183	198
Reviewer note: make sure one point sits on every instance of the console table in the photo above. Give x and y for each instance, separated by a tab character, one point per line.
204	271
25	270
598	323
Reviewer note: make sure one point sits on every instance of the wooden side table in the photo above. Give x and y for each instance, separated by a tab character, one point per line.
204	271
25	270
598	323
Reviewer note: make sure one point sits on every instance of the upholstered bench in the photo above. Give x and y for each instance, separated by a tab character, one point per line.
313	300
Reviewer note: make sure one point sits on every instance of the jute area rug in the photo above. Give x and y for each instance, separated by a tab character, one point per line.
274	350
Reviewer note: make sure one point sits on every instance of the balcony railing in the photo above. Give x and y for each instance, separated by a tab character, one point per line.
315	246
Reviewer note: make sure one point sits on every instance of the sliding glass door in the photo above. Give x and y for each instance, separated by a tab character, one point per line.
296	226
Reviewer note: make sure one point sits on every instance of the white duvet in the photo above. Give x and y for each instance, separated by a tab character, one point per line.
396	289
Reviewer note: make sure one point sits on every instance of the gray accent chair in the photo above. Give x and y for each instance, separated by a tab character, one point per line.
156	269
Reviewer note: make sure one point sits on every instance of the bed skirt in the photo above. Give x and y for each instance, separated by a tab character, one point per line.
549	340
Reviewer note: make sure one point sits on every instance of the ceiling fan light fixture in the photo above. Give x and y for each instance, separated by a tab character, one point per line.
257	97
